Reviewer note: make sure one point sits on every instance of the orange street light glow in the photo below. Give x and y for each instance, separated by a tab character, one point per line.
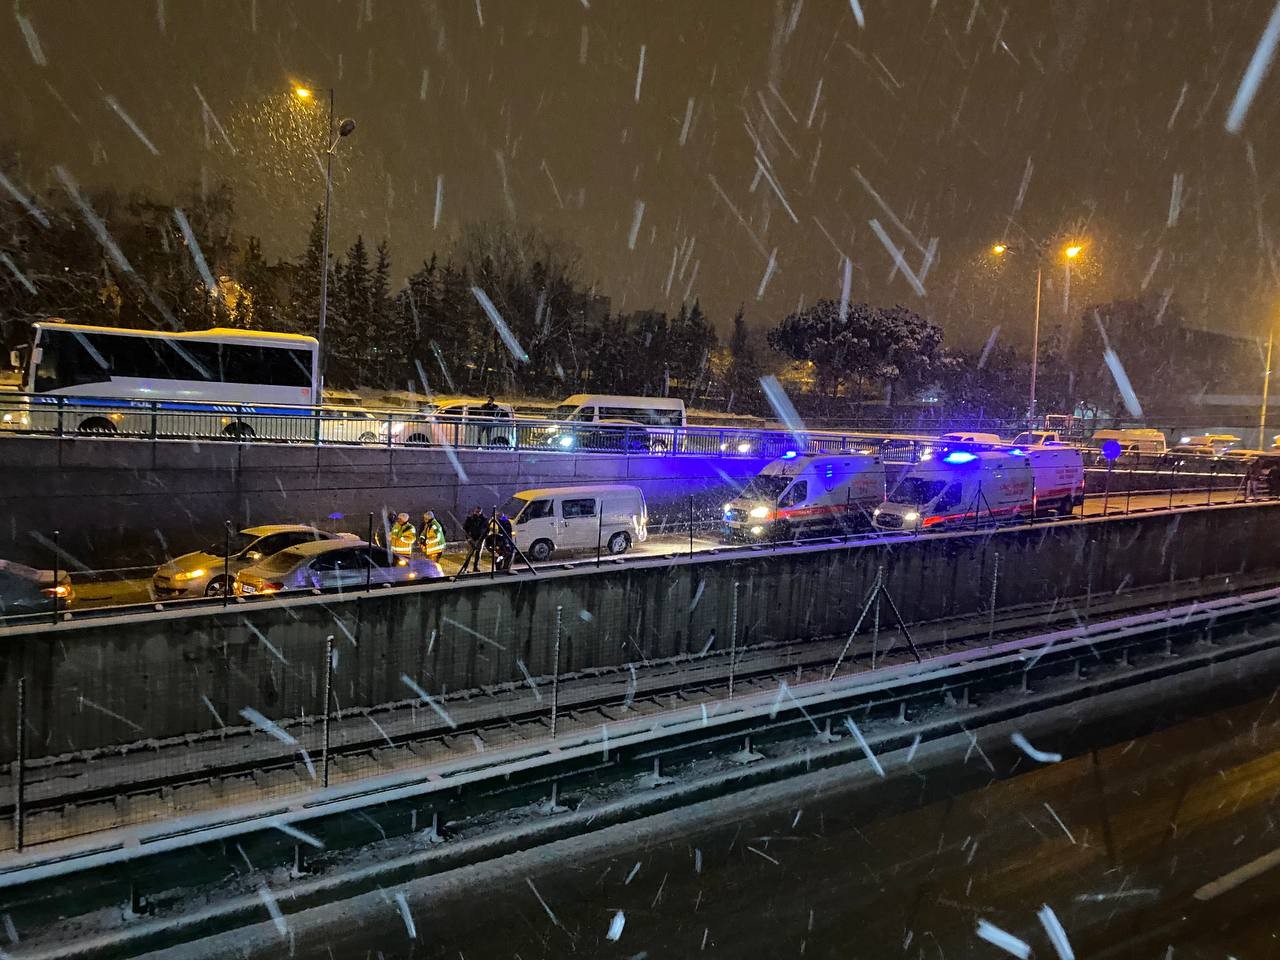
1073	251
302	93
998	249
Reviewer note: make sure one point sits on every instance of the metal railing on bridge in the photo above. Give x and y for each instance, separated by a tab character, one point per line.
88	417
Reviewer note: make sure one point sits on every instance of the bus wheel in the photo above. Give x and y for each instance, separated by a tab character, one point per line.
619	543
96	425
541	550
238	431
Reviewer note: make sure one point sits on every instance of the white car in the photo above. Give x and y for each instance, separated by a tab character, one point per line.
332	565
459	423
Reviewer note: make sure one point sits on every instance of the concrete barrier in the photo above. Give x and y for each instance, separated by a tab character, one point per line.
126	502
101	683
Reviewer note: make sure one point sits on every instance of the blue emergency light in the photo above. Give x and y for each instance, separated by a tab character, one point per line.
960	456
789	455
1111	449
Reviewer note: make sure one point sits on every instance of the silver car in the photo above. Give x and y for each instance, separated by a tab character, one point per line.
332	565
204	573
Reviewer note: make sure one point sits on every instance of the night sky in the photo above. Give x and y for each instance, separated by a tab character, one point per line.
1092	113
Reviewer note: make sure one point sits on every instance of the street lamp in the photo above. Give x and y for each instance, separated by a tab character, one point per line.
1069	253
345	129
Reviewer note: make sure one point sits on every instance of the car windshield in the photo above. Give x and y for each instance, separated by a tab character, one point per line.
280	563
563	412
239	542
916	491
512	507
765	487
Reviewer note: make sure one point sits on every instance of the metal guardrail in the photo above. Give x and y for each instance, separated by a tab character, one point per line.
87	417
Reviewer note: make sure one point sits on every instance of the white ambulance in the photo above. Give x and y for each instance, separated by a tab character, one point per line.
796	495
966	487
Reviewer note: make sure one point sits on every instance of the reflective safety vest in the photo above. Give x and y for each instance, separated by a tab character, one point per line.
402	537
432	540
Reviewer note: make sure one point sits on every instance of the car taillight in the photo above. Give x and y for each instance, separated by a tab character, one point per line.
58	591
272	586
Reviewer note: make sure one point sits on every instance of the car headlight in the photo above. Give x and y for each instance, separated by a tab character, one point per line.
8	418
759	513
190	574
757	530
565	441
744	446
875	512
911	516
728	507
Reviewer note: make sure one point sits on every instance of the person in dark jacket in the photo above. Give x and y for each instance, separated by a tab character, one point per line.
474	527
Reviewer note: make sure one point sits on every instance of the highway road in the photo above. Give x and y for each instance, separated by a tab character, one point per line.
1159	844
137	589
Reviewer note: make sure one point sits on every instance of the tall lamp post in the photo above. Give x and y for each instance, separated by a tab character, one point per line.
345	129
1069	253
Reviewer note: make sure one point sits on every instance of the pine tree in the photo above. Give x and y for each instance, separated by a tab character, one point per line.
304	305
743	378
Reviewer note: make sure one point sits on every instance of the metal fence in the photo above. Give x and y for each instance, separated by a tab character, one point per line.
42	415
316	693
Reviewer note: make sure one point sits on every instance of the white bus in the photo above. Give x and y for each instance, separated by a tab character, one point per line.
220	382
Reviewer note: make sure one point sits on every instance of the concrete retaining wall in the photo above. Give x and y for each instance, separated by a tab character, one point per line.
96	684
127	502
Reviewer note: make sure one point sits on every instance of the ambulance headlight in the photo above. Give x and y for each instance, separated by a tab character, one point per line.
911	516
759	513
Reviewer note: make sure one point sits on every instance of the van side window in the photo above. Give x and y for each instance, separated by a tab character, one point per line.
584	415
798	492
536	510
577	508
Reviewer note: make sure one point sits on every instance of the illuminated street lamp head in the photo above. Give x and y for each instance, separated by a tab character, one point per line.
999	249
1073	251
302	93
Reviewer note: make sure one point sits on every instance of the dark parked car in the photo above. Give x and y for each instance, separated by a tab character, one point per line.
26	590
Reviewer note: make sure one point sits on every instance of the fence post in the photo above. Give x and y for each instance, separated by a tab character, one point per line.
1213	476
56	599
691	525
226	561
995	583
368	570
20	773
1128	493
328	702
1173	482
555	674
1106	496
154	408
733	638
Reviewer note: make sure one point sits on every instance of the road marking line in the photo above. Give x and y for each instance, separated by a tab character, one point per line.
1229	881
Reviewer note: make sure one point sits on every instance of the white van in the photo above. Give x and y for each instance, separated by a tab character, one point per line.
958	440
803	494
612	517
1132	440
958	488
659	417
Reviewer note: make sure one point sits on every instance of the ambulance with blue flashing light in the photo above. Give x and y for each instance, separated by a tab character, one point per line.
801	494
983	486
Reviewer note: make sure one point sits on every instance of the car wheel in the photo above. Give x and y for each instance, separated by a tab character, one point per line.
367	437
619	543
216	588
658	446
499	442
418	438
238	431
541	550
96	425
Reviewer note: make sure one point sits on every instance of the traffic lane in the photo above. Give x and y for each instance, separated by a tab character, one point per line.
138	589
1115	840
